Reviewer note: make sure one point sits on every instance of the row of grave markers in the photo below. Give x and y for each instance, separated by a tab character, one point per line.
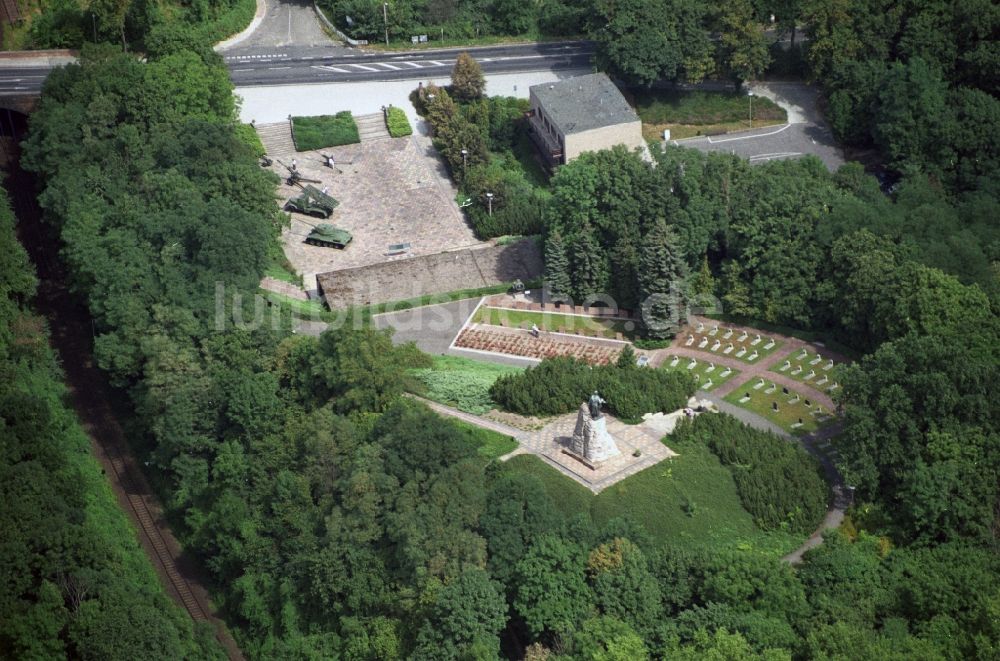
729	347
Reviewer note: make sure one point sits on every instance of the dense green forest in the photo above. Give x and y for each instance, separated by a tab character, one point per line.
341	520
75	583
151	25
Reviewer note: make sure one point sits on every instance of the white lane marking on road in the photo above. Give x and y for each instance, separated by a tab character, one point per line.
326	67
250	69
748	137
414	65
388	66
363	67
277	68
780	154
437	63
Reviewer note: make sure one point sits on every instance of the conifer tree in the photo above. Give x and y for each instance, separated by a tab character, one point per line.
467	81
590	265
661	275
557	268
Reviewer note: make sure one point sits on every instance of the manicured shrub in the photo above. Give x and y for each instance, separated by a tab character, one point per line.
560	385
397	123
779	483
323	131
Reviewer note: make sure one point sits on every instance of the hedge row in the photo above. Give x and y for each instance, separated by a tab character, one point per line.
560	385
323	131
397	123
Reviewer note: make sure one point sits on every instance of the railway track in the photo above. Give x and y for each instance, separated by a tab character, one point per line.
70	334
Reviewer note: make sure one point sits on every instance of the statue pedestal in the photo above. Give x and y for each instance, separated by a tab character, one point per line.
591	442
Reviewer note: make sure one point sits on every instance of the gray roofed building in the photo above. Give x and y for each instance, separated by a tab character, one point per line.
585	113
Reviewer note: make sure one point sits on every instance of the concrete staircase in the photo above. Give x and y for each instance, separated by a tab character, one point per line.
372	127
277	139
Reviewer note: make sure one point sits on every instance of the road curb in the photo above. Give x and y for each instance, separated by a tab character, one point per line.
258	18
47	59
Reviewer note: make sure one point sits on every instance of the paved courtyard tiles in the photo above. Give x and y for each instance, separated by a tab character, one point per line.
549	442
390	192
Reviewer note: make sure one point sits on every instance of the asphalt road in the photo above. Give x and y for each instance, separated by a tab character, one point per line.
805	133
22	80
281	68
277	66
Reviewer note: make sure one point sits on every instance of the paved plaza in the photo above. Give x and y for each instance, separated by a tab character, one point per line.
391	191
550	441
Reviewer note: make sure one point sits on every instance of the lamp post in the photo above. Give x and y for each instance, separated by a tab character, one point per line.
465	159
385	17
489	202
750	95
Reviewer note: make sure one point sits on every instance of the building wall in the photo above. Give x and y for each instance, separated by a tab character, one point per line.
629	134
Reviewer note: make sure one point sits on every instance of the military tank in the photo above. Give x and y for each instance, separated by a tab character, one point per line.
328	236
312	202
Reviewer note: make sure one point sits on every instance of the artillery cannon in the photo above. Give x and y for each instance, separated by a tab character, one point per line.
312	202
295	177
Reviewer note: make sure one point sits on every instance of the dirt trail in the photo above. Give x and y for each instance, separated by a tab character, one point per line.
92	398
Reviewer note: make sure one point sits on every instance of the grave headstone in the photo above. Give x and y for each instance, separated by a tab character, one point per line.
769	345
708	384
692	364
784	390
715	330
690	341
822	381
797	370
771	388
829	365
743	336
701	327
833	387
726	372
774	406
728	349
787	366
710	368
756	341
716	345
754	356
817	359
745	398
811	375
808	403
759	384
674	361
741	352
703	343
802	355
729	334
793	400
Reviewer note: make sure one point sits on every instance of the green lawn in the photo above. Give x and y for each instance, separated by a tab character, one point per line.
551	321
323	131
703	371
279	268
489	444
661	497
803	366
461	382
698	113
788	414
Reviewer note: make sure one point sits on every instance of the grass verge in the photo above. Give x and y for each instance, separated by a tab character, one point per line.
688	114
461	382
553	322
794	416
489	444
321	131
689	501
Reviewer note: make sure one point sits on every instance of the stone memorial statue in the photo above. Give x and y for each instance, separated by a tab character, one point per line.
596	402
591	440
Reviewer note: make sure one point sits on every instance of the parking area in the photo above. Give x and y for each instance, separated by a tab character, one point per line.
391	192
805	133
